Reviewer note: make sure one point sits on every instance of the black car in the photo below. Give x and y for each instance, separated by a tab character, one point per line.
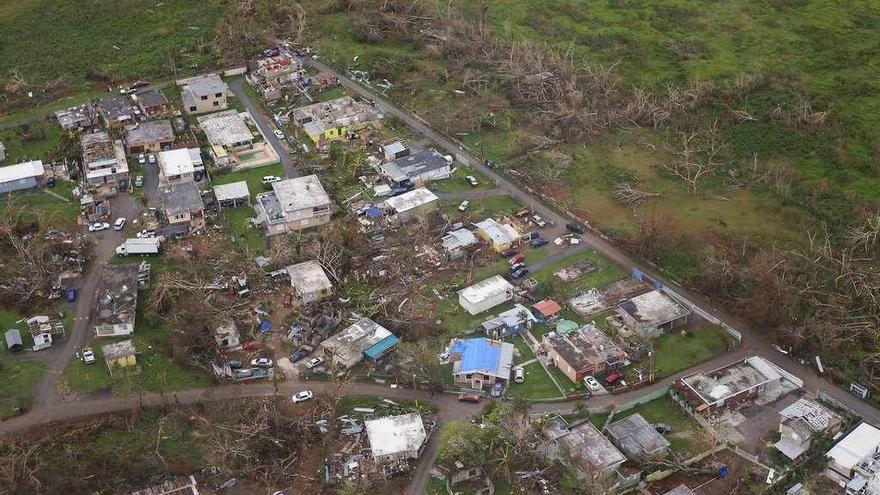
522	272
538	242
577	228
298	355
509	252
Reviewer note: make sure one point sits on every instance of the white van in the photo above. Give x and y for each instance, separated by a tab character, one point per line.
519	374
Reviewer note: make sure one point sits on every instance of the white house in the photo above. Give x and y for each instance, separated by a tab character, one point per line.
652	313
293	204
227	336
410	204
396	438
860	445
485	295
180	166
309	281
203	94
21	176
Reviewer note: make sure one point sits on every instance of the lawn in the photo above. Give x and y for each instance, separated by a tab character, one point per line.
47	201
606	273
480	209
43	137
252	176
253	237
524	352
457	182
567	385
19	378
537	384
675	352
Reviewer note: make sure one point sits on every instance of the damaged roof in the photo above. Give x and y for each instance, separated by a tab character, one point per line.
585	347
482	355
118	350
226	128
654	308
636	437
410	200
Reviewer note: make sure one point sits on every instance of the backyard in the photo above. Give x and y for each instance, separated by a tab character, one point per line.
677	351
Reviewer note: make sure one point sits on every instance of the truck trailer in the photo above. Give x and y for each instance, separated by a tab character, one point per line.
143	247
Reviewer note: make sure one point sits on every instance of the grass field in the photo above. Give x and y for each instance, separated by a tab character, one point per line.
19	378
19	149
252	237
56	202
606	273
537	384
675	352
251	176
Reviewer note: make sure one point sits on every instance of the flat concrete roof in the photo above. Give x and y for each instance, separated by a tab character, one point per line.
396	434
356	339
300	193
855	447
410	200
176	162
654	308
308	277
341	112
586	346
636	437
226	128
591	449
21	171
207	84
486	289
722	383
182	198
153	131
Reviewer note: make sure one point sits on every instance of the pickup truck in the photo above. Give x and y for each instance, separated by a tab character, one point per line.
144	247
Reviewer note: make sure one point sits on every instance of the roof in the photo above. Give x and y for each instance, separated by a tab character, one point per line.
233	190
410	200
487	289
21	171
593	452
226	128
340	112
153	131
118	350
207	84
680	490
395	434
499	233
308	277
357	338
482	355
151	98
182	198
721	383
515	315
654	308
13	337
380	348
176	162
116	296
636	436
859	444
418	163
547	307
116	107
818	417
394	148
585	347
300	193
458	239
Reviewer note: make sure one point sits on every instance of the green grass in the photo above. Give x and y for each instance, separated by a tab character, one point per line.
252	237
19	148
606	273
19	378
457	183
567	385
675	352
537	384
480	209
58	211
252	176
524	351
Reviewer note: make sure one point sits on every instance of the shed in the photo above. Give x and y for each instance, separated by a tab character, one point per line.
485	295
13	340
637	438
119	355
233	194
546	309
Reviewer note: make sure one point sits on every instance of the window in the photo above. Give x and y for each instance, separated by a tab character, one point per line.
204	97
192	109
216	103
218	95
468	376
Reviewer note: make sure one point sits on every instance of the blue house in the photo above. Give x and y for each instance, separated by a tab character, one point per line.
480	362
510	322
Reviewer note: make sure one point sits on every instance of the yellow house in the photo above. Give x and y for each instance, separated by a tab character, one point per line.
119	355
501	236
334	119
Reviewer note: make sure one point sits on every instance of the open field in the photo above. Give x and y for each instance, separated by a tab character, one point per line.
19	378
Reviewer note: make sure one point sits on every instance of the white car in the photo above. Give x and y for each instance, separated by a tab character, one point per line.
146	234
472	180
269	179
278	133
302	396
262	362
142	158
464	205
88	357
151	158
314	362
519	374
98	226
592	383
119	224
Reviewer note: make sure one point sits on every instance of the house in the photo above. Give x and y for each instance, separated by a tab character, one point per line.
151	102
180	485
732	383
115	301
119	355
182	204
270	74
394	150
501	236
202	94
348	347
180	166
801	421
419	168
410	204
232	195
335	119
396	438
20	176
293	204
637	438
469	480
485	295
309	281
583	351
480	362
546	310
509	323
13	340
149	137
117	111
228	135
582	448
104	162
227	337
854	460
77	117
653	313
44	330
456	242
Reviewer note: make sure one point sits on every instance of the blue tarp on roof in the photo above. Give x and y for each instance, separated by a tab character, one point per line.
381	348
265	326
477	355
374	212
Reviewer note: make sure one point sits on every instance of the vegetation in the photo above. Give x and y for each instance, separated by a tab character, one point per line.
675	352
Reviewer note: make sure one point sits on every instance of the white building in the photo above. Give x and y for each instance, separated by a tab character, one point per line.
309	281
293	204
396	438
862	444
227	336
485	295
457	241
21	176
233	194
502	236
180	166
202	94
228	134
409	204
653	313
800	422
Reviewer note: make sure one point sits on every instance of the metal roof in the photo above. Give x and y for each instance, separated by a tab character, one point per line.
862	442
392	435
482	355
21	171
410	200
233	190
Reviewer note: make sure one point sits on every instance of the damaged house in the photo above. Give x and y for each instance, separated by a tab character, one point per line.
45	330
365	338
293	204
653	313
480	362
335	119
417	169
105	165
115	301
396	438
309	281
583	351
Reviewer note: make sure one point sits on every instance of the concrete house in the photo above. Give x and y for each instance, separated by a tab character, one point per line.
117	111
637	438
653	313
800	422
119	355
152	136
582	448
583	351
227	336
365	337
233	194
396	438
851	460
485	295
419	168
480	362
393	151
76	117
228	135
732	383
104	162
180	166
151	102
456	242
21	176
509	323
335	119
409	205
203	94
309	281
115	301
182	204
501	236
293	204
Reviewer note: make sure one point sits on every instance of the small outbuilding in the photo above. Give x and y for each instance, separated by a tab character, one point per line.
232	195
485	295
13	340
637	438
456	242
119	355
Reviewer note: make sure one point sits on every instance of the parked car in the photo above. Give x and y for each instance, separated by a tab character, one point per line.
592	383
464	205
298	355
302	396
469	398
472	181
516	267
88	357
613	377
98	226
576	227
517	258
314	362
507	253
151	158
522	272
278	134
142	158
119	224
139	181
539	221
234	364
71	295
519	374
146	234
262	362
538	242
269	179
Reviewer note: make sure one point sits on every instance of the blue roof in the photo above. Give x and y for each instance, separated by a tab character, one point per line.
379	349
477	355
374	212
265	326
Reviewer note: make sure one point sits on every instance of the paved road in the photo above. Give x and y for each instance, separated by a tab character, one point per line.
266	126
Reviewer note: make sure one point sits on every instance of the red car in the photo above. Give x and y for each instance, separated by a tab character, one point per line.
613	377
288	300
519	258
469	398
